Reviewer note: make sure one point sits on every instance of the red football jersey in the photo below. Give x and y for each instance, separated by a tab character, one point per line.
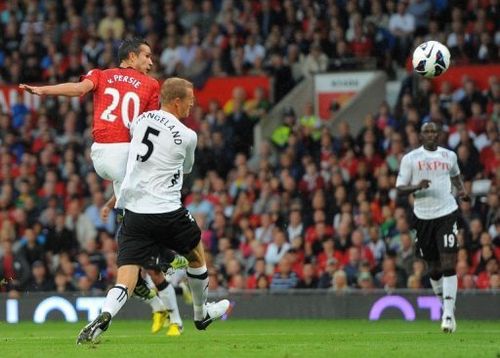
120	95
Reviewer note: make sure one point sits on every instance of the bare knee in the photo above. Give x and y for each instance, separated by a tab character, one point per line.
156	276
448	264
127	276
435	270
196	256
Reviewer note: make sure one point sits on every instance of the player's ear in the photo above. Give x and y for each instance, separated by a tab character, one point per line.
132	56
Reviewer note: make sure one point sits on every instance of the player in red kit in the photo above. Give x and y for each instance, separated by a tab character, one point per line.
120	95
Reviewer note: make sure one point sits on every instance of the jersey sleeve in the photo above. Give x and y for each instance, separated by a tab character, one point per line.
154	98
404	175
455	170
189	160
92	75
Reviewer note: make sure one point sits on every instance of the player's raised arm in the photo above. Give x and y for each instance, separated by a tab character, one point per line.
69	89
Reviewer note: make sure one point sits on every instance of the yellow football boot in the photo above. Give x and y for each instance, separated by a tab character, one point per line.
159	319
174	330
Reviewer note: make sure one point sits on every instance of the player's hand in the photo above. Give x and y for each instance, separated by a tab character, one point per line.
31	89
424	184
463	196
105	210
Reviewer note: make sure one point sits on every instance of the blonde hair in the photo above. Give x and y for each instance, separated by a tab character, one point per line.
173	88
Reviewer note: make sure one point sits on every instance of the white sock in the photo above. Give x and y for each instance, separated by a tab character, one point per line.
450	284
156	304
198	283
437	287
149	280
176	277
169	299
115	299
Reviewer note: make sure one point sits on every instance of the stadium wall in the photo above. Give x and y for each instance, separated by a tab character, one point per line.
410	306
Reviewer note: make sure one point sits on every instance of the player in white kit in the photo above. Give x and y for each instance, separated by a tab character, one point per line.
161	152
428	173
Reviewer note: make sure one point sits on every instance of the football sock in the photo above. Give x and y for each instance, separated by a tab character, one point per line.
437	287
115	299
449	294
167	295
198	282
156	304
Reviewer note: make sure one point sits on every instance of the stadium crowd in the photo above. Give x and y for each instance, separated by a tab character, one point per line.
307	209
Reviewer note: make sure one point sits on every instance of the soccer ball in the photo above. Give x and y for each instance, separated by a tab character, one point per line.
431	59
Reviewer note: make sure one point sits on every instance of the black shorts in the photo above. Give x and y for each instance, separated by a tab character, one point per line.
436	236
143	237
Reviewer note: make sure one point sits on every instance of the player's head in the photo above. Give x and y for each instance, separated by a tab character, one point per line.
430	135
136	53
177	96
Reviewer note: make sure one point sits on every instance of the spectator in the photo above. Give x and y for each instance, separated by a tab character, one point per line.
79	222
14	268
402	26
40	281
278	248
111	26
284	278
315	62
339	282
93	213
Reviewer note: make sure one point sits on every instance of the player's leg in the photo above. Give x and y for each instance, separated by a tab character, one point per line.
436	278
135	249
446	236
450	286
145	291
426	249
178	279
166	292
115	299
110	160
186	239
204	313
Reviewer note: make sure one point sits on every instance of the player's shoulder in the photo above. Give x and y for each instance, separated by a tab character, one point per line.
94	71
412	154
192	134
446	153
188	132
144	78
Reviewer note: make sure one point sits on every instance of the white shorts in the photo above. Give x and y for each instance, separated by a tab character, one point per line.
110	162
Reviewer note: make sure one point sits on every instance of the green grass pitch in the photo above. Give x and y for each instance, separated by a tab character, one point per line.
259	338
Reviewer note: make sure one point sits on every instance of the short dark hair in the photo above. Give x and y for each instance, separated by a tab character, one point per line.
129	46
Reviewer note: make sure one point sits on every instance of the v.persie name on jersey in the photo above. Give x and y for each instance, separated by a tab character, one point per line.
165	121
433	165
125	79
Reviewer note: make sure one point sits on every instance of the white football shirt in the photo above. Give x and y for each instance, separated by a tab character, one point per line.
161	152
437	166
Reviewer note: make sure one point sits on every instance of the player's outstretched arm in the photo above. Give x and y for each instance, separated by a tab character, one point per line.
459	185
409	189
68	89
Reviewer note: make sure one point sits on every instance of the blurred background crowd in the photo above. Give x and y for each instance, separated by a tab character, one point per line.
309	208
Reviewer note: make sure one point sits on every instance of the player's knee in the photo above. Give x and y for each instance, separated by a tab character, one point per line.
435	272
162	285
448	264
435	275
449	272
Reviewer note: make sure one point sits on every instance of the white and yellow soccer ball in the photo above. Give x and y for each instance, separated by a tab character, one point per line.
431	59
